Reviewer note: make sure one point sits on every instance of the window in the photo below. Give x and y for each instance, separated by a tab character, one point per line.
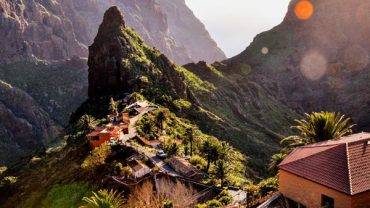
327	202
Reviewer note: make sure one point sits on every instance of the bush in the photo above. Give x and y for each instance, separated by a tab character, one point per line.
214	204
268	186
198	162
97	158
8	180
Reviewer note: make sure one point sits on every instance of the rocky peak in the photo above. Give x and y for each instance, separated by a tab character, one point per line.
120	62
112	22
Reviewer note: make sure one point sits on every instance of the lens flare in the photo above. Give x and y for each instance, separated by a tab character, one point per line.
355	58
265	50
314	65
304	10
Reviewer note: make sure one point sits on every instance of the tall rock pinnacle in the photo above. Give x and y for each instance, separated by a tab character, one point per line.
119	61
106	55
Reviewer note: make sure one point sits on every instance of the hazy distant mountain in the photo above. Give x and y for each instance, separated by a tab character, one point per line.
51	30
321	63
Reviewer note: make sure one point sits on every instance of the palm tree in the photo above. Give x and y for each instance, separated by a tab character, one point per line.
275	160
221	171
161	117
113	108
207	149
211	150
86	123
318	127
190	135
104	199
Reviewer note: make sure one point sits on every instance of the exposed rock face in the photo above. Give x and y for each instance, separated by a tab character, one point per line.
21	121
318	64
119	61
57	30
36	29
190	33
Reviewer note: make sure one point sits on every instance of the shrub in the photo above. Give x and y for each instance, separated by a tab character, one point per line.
214	204
126	172
97	158
198	162
268	185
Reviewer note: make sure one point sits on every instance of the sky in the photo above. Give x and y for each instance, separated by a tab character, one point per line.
234	23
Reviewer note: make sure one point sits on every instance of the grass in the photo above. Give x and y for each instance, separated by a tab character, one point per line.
60	196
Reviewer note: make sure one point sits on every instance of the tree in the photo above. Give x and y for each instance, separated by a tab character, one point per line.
113	107
104	199
275	160
190	136
86	123
224	151
318	127
167	204
97	158
221	170
211	150
126	172
172	149
147	127
161	117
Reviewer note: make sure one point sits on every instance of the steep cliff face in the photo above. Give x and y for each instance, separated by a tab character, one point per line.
120	62
57	30
36	29
21	121
190	33
321	63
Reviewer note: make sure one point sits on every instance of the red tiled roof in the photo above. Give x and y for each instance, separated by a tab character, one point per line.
94	134
343	165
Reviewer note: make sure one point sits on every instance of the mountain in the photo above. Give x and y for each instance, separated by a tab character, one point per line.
248	117
122	67
321	63
21	121
51	30
43	40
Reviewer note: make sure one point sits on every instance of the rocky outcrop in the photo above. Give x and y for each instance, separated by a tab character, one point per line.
21	121
321	63
34	29
58	30
120	62
181	23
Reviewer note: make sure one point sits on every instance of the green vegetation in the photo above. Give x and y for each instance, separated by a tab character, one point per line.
195	83
97	158
318	127
69	195
58	87
215	71
276	159
86	124
113	108
182	104
104	199
221	200
181	137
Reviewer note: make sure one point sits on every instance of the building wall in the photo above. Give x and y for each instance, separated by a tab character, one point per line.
361	200
309	193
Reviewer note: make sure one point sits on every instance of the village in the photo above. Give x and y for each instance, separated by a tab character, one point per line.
151	160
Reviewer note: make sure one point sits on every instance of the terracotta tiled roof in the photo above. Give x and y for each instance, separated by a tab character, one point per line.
343	165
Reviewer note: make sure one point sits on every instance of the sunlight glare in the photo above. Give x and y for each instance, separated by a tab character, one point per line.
314	65
265	50
304	10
